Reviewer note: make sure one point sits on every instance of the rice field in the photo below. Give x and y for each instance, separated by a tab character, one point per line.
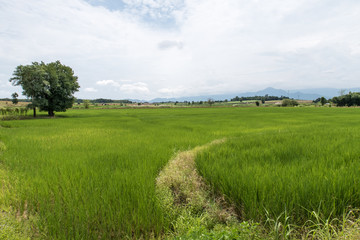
90	174
297	169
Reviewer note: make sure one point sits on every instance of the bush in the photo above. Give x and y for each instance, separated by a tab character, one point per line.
289	103
86	104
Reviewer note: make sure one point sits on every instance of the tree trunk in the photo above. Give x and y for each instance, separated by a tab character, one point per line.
34	112
51	113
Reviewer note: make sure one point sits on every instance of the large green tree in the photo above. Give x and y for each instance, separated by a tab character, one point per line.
50	86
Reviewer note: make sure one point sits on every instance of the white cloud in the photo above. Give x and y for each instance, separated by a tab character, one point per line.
90	90
108	82
138	87
173	91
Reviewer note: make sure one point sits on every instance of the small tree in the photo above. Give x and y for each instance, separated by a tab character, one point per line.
211	101
86	103
14	98
322	101
257	103
289	103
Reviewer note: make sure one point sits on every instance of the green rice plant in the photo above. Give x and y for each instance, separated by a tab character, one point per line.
23	111
9	111
90	174
296	167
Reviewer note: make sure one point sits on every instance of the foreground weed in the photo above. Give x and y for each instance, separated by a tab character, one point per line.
236	231
280	228
322	228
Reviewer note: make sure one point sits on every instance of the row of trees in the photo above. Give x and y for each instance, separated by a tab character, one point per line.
103	100
262	98
49	86
350	99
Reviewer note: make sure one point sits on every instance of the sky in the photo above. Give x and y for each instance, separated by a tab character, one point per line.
145	49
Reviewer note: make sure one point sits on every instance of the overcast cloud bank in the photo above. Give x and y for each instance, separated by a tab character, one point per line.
162	48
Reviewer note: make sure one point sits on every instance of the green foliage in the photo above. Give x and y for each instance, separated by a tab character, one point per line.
50	86
350	99
14	98
102	100
289	103
323	101
210	101
86	103
239	231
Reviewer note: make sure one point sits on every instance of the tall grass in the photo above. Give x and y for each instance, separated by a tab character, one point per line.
90	174
298	169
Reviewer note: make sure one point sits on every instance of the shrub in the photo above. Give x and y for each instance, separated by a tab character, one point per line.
9	110
289	103
86	104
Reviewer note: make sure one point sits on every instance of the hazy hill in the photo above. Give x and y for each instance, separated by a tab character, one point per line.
303	94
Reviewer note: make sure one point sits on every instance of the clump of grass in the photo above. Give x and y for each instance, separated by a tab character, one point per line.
280	227
343	227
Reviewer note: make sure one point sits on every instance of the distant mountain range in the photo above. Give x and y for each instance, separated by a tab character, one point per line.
303	94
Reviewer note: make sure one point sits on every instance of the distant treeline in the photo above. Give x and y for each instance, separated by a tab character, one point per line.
103	100
264	98
10	99
350	99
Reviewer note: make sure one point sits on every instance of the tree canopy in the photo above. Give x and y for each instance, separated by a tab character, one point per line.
350	99
50	86
14	98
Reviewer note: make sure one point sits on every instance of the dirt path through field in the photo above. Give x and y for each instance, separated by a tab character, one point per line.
182	190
